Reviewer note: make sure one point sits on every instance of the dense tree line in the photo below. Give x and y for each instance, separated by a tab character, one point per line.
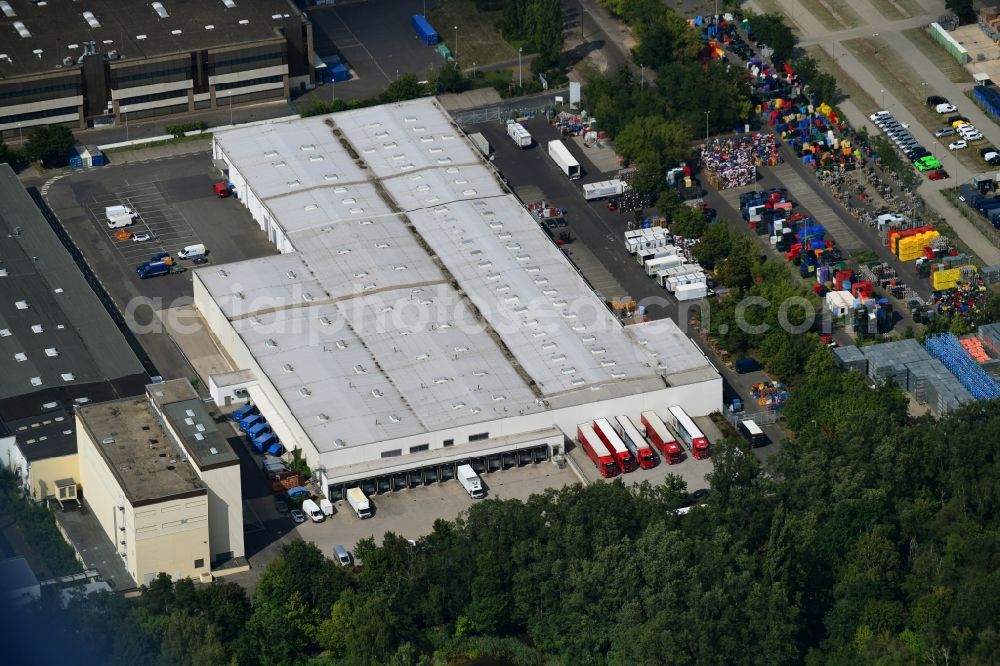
870	539
537	25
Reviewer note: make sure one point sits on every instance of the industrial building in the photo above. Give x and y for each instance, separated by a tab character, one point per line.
418	317
58	344
100	61
163	483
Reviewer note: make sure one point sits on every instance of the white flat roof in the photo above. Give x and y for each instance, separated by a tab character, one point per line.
415	266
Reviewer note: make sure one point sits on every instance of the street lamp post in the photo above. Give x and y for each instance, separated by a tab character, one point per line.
125	116
19	139
706	127
229	94
456	44
519	49
642	77
883	97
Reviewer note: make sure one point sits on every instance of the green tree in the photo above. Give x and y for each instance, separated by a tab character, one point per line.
404	88
51	144
962	8
450	79
771	29
688	222
547	33
715	244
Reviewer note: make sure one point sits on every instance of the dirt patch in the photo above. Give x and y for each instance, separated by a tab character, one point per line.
833	14
479	40
950	67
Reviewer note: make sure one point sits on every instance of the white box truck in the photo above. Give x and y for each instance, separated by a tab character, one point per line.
688	292
120	216
359	502
311	509
327	507
519	135
470	481
564	160
654	266
603	189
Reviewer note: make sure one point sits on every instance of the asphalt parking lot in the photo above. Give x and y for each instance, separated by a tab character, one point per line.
377	43
177	207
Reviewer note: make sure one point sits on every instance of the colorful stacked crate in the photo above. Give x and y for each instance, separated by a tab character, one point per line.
947	349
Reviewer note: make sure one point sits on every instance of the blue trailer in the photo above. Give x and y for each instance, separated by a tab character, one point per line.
260	428
244	411
425	32
263	441
248	422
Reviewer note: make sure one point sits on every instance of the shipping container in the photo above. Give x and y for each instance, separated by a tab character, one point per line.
425	32
519	135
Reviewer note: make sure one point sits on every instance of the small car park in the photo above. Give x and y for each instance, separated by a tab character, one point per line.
958	145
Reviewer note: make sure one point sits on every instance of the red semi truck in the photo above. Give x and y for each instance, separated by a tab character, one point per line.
689	433
596	450
636	443
661	438
608	435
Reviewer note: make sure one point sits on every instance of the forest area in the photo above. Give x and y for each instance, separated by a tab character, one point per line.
869	538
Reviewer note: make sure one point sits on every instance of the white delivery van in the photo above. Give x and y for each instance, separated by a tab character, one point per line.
311	509
470	481
120	216
192	251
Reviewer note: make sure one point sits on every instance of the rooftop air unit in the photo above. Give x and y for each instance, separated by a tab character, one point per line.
160	10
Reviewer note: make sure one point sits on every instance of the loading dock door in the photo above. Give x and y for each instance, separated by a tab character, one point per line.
509	459
541	453
368	487
399	481
416	477
478	465
447	472
430	475
384	484
523	457
493	463
336	492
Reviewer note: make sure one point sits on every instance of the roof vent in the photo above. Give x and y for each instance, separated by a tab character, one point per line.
223	273
244	22
377	393
238	295
7	9
175	32
290	275
305	392
339	443
199	436
325	321
91	19
499	398
330	176
160	10
341	344
229	4
21	29
209	27
394	418
51	351
458	405
308	297
21	305
322	418
140	37
20	357
37	381
36	328
359	369
307	147
287	367
271	343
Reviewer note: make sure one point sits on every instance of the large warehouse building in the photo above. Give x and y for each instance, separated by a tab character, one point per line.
418	316
74	63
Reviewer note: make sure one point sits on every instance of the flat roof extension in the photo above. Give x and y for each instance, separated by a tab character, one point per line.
138	451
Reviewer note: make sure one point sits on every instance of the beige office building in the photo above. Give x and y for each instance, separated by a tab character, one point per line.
162	482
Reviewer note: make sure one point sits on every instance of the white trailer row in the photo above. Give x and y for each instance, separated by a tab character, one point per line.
519	135
645	239
666	263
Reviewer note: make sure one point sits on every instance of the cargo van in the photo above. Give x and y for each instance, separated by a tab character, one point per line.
342	556
120	216
192	251
311	509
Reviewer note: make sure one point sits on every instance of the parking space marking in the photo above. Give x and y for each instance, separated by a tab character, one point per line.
157	217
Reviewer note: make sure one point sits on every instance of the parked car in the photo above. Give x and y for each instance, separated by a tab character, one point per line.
140	237
199	260
940	174
944	131
934	100
298	516
958	145
945	108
